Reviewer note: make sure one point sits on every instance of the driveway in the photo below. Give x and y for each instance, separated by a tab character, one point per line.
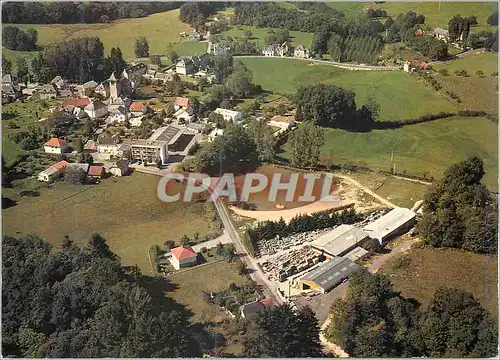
222	239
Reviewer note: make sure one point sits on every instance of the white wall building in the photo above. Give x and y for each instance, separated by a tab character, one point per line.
229	115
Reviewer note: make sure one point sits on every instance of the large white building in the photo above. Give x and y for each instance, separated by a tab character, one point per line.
395	222
340	240
229	115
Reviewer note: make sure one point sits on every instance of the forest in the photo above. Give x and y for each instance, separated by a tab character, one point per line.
79	12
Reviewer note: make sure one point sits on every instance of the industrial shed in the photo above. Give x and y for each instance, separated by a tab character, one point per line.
395	222
340	240
329	275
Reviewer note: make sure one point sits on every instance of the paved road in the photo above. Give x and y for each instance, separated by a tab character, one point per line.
257	275
327	62
222	239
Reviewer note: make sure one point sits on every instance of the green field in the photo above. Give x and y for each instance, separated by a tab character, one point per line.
399	96
160	29
431	146
259	35
400	192
211	277
486	62
126	211
424	271
438	13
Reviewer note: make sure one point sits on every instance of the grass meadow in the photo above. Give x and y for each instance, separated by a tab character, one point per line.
399	96
125	210
259	35
160	29
421	148
423	270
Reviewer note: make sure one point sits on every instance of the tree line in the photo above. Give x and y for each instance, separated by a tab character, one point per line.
376	321
196	13
78	60
81	302
14	38
79	12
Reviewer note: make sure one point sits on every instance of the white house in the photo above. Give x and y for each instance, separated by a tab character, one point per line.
55	146
276	50
214	133
96	109
184	66
108	144
301	51
136	121
184	114
52	171
229	115
183	257
117	116
441	34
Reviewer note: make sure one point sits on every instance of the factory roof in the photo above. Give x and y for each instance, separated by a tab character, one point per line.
340	239
331	273
388	223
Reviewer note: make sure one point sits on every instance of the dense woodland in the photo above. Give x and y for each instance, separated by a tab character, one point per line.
80	302
376	321
460	212
79	12
14	38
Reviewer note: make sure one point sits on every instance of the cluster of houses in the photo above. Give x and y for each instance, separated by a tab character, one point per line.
285	49
94	172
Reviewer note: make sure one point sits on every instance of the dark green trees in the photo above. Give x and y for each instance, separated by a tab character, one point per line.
459	211
82	303
279	332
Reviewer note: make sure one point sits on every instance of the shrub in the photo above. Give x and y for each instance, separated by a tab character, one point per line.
462	72
204	250
471	113
443	72
242	269
480	73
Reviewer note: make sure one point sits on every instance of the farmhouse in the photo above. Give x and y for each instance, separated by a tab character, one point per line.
251	309
58	82
328	275
183	257
395	222
339	241
96	109
301	51
283	122
441	34
96	172
185	66
275	50
52	171
46	92
55	146
229	115
181	103
137	108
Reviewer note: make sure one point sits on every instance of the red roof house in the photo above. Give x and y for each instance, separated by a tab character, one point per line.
55	146
181	102
183	256
96	171
80	102
137	107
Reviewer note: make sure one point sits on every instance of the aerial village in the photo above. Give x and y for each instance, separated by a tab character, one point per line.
115	139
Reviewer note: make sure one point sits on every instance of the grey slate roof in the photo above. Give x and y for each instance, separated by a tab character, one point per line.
331	273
